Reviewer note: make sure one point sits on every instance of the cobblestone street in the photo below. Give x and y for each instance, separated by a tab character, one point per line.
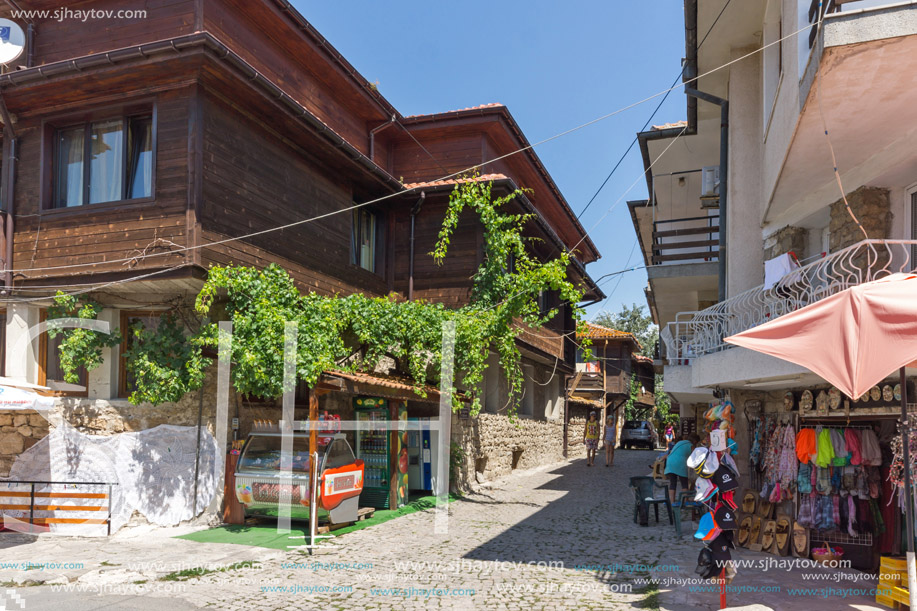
539	540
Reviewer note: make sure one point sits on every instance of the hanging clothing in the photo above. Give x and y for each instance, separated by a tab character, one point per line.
852	437
870	452
787	463
825	453
804	479
840	448
777	268
805	445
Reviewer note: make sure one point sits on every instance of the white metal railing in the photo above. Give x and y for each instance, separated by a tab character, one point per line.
693	334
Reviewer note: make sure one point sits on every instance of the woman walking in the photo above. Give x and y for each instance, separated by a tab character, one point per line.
609	438
591	438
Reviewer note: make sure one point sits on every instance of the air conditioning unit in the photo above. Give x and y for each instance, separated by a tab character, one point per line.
710	181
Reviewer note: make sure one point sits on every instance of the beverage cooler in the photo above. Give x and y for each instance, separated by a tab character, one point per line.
384	452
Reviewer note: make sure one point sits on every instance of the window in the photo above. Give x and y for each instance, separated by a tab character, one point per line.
363	239
104	161
773	56
49	369
129	322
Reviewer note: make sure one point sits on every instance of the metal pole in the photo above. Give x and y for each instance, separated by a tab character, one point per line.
313	504
908	506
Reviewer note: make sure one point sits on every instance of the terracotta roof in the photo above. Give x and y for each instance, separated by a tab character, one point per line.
676	125
594	331
445	112
456	180
643	359
402	385
596	403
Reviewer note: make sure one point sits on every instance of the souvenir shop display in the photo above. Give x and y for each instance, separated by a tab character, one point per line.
716	488
825	483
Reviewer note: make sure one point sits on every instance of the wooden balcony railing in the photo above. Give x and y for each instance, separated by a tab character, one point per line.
686	239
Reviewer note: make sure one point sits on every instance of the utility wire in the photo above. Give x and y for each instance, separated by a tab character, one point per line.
415	188
645	125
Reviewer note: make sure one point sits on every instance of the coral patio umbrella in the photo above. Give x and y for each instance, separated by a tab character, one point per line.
854	340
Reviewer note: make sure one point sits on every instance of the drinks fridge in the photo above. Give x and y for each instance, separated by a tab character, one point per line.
384	451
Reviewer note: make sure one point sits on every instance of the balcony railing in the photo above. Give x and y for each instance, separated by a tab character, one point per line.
683	240
694	334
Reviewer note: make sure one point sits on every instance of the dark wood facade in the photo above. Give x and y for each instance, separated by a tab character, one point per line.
257	123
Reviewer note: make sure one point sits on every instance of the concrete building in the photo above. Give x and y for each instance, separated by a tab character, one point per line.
750	175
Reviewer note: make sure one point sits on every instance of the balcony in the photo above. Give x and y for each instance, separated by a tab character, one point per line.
685	240
694	334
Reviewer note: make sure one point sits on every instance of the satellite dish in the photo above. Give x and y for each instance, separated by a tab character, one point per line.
12	41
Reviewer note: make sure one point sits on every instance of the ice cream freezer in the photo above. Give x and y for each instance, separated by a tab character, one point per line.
260	483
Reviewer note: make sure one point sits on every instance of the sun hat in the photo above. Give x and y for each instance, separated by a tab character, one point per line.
706	490
725	479
725	518
707	528
697	458
710	466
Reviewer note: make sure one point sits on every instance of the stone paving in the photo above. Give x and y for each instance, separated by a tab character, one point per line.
556	538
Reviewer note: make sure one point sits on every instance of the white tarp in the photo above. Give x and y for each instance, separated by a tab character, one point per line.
153	470
16	398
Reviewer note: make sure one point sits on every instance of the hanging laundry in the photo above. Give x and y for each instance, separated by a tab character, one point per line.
777	268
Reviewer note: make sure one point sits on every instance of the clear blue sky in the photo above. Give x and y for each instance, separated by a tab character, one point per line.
554	64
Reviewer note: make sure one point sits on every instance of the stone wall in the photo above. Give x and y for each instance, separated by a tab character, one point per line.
785	240
494	446
19	431
872	206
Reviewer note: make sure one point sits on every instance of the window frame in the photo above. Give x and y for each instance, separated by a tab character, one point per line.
52	126
125	315
356	226
43	344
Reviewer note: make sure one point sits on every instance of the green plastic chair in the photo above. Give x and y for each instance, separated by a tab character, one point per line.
685	502
645	489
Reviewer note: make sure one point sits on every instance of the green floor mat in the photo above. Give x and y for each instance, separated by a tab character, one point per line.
265	533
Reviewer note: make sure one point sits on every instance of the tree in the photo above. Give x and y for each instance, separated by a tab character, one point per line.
634	320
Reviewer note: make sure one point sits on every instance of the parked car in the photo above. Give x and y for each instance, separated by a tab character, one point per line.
639	433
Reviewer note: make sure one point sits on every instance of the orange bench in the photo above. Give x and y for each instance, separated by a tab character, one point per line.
101	502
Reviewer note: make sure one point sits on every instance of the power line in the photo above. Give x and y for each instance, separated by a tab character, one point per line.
645	125
415	188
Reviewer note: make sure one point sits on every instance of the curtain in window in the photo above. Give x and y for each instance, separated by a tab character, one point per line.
70	167
140	160
107	156
368	241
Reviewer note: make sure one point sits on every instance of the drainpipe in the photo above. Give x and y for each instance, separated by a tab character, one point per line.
372	137
414	211
30	45
689	70
724	168
7	187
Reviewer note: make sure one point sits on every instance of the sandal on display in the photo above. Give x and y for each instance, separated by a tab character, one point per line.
755	534
744	531
749	502
800	541
782	536
767	536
